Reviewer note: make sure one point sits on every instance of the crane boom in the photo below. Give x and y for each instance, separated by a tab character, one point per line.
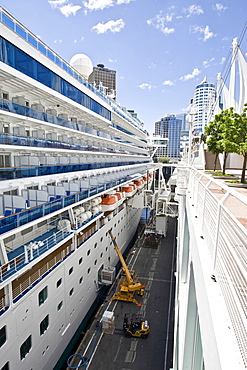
128	283
124	266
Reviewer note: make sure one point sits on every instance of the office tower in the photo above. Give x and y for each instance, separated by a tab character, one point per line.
105	77
169	127
203	105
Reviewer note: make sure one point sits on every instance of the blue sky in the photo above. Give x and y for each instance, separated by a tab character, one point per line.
161	49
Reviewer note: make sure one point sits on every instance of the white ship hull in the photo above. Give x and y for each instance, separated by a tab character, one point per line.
63	146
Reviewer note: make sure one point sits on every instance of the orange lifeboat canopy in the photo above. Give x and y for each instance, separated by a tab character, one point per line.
139	182
109	199
119	194
128	188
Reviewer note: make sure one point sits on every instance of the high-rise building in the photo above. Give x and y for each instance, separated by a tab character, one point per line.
202	107
169	127
105	77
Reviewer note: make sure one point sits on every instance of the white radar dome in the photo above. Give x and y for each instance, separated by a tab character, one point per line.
82	63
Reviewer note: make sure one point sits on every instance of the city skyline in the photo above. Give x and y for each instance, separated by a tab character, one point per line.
160	51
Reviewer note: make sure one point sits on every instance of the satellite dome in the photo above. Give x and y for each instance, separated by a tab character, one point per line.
82	63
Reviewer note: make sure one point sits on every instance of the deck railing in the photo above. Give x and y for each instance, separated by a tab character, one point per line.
222	213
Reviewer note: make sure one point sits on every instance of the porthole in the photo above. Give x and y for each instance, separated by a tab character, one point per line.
81	280
88	270
101	255
101	239
71	291
88	252
80	260
95	262
59	282
71	270
95	245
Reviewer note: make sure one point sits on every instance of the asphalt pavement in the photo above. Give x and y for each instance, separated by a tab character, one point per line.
154	262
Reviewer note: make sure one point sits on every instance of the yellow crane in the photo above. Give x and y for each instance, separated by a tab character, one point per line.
128	284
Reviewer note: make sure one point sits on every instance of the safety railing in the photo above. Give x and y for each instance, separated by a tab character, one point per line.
30	252
18	219
222	214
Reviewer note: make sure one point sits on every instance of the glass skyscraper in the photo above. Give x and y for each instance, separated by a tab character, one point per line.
169	127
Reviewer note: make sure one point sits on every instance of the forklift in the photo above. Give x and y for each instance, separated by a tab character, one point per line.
135	326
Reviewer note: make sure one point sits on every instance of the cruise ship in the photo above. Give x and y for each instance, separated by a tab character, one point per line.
73	164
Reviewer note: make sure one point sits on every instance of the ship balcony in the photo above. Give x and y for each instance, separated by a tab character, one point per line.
13	107
23	255
17	172
53	200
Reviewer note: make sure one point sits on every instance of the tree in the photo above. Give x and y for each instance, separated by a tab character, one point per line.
240	138
213	135
228	134
163	159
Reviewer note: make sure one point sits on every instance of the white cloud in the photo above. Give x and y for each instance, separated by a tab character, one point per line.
81	39
223	59
193	10
112	26
152	65
206	63
160	21
69	9
102	4
110	60
219	7
98	4
146	86
58	41
207	34
124	1
168	83
189	76
57	3
66	10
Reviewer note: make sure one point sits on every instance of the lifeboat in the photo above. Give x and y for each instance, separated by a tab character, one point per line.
144	178
139	183
109	202
129	189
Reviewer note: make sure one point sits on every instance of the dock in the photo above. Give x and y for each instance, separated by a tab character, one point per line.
154	260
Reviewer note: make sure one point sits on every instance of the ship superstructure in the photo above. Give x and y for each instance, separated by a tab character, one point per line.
73	165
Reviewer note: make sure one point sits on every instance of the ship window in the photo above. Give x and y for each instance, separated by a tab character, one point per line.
4	160
80	261
59	282
6	366
88	271
101	239
95	262
2	336
101	255
71	270
60	305
88	252
44	325
95	245
5	96
25	347
26	231
71	291
43	295
11	192
81	280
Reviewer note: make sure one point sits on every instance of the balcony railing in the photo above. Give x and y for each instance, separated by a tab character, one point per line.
10	222
29	252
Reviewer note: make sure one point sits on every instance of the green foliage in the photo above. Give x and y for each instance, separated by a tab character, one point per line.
163	159
227	133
